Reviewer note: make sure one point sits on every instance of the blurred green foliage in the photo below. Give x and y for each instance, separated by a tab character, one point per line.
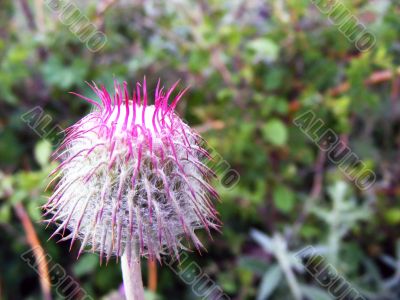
253	66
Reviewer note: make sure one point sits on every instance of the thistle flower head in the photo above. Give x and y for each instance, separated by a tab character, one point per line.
132	178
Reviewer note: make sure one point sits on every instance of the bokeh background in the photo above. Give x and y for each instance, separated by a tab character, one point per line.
253	67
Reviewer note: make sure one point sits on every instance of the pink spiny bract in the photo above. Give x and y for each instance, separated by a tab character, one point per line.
133	177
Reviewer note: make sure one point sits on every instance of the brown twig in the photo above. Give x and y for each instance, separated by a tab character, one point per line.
210	125
376	78
394	94
37	249
28	14
40	20
104	6
315	192
101	11
196	17
220	66
318	175
152	283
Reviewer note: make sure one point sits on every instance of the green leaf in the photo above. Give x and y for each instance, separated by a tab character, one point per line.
393	216
263	49
29	181
284	199
8	140
263	240
86	264
275	78
198	59
269	282
34	210
253	264
315	293
42	152
275	132
148	295
57	73
18	196
227	282
6	185
5	213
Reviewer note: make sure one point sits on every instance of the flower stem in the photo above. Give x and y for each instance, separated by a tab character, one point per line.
132	276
